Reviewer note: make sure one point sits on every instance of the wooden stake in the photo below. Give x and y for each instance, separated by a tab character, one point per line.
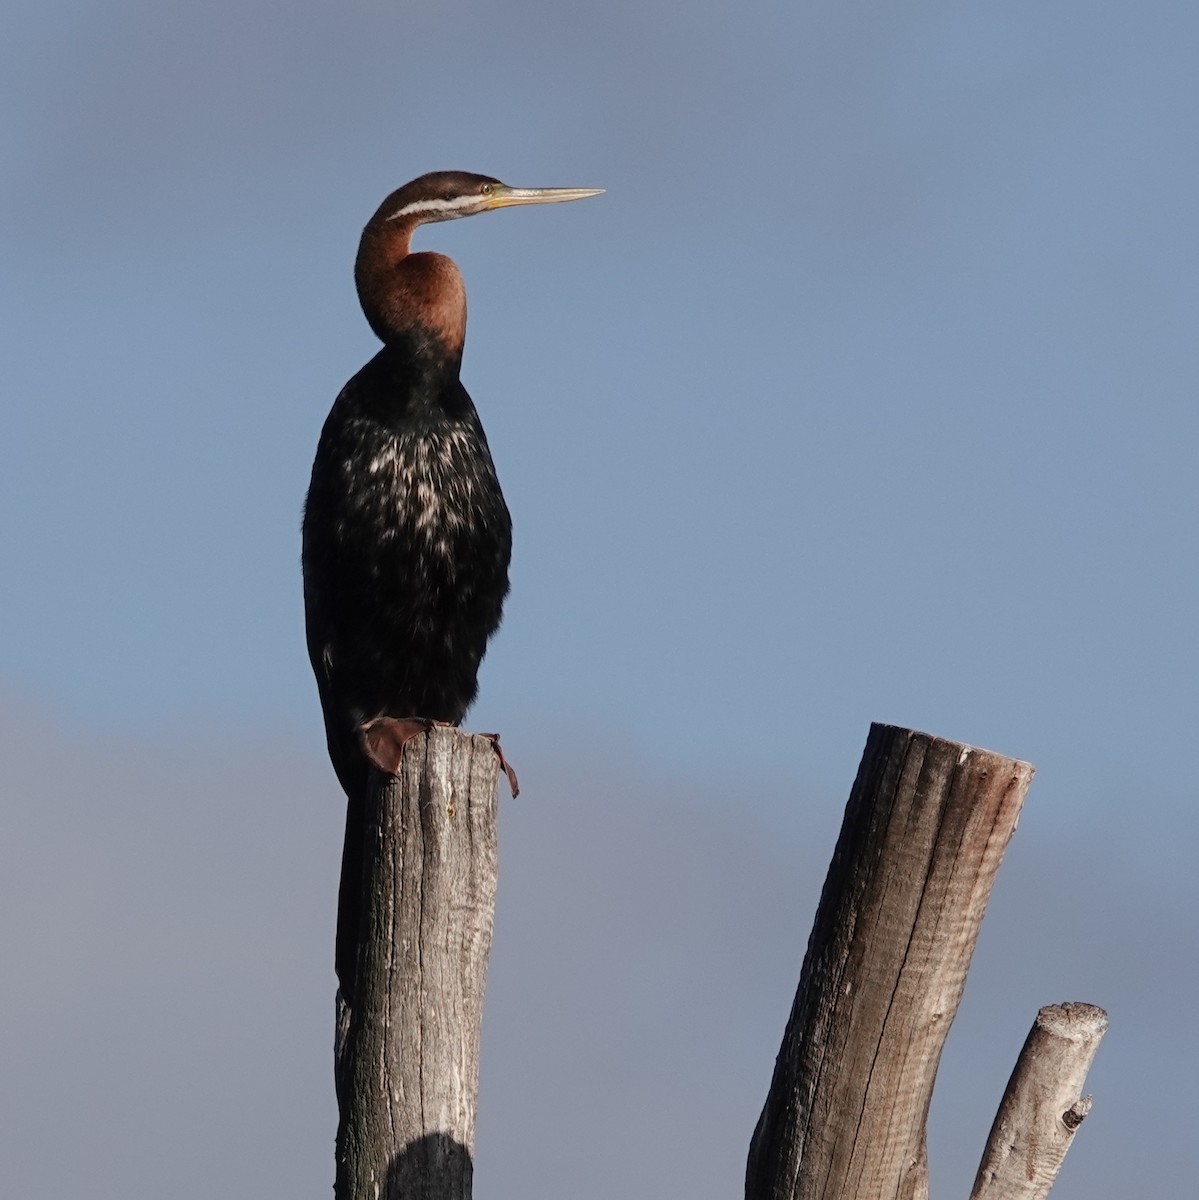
924	832
408	1054
1042	1107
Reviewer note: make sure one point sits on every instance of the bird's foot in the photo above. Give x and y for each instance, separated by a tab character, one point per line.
383	739
505	765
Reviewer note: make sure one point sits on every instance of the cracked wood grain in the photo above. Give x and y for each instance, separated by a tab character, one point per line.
924	832
408	1054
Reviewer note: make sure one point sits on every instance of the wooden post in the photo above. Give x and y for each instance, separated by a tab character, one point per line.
924	831
1042	1107
408	1054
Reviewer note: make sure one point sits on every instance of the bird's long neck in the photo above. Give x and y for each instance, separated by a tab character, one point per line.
414	300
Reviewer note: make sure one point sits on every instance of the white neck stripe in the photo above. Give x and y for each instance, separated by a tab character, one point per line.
434	205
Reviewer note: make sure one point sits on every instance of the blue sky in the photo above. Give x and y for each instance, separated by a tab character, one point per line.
867	392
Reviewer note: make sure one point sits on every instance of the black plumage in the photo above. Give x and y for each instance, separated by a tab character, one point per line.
407	537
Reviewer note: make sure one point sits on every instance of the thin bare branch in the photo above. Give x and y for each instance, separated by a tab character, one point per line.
1042	1107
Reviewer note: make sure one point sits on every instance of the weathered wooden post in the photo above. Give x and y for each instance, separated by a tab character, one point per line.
924	832
407	1059
1042	1106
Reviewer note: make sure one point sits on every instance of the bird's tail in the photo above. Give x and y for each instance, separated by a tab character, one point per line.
353	773
349	897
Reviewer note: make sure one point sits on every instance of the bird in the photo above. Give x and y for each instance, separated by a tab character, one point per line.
406	535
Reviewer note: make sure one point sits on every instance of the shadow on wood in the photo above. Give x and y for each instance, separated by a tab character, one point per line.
430	1168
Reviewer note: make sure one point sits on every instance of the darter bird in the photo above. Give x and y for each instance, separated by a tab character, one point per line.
407	537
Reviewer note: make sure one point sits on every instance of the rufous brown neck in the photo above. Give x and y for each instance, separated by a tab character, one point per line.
405	294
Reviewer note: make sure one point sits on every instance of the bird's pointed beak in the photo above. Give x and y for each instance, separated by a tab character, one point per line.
504	196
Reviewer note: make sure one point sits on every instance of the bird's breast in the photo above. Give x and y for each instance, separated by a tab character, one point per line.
432	490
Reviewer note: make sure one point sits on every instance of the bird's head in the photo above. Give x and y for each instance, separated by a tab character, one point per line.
445	195
400	291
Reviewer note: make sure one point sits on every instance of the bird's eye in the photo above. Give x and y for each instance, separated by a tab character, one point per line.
486	189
